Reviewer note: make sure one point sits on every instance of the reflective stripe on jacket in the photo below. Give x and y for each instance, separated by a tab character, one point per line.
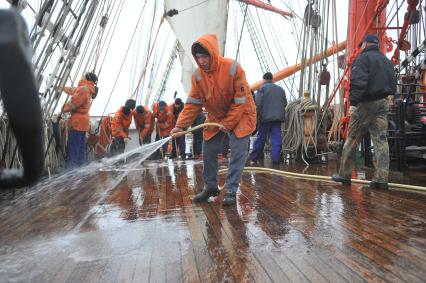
223	91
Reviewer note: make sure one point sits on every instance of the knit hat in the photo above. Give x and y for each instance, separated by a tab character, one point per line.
178	101
268	76
130	103
197	48
126	110
370	38
91	77
140	109
162	105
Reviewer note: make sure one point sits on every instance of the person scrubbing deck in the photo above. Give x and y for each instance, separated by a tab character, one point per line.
219	85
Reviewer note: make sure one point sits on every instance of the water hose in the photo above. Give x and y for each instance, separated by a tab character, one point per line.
303	176
322	178
198	127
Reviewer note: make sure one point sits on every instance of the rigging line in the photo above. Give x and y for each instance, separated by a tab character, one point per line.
87	20
391	9
146	53
235	25
291	10
115	18
277	43
271	57
134	66
156	63
294	26
98	49
97	40
62	58
47	41
241	33
362	16
31	8
90	44
51	40
149	56
121	67
193	6
33	34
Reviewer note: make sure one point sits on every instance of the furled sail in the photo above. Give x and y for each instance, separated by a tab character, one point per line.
193	19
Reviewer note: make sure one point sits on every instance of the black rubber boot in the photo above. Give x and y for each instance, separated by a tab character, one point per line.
339	179
230	198
378	185
205	194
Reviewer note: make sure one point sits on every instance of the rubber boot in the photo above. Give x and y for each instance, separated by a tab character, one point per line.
230	198
378	185
339	179
205	194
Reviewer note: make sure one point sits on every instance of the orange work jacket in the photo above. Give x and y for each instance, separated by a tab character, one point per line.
79	105
164	120
223	91
144	122
120	124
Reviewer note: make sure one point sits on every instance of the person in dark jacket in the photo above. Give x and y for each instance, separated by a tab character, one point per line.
178	144
270	102
372	79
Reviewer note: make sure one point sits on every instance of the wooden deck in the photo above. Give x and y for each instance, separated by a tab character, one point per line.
140	225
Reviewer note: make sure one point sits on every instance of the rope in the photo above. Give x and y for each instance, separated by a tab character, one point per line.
199	127
147	59
193	6
321	178
293	139
122	64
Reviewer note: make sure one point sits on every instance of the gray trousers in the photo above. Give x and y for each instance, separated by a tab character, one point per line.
239	153
371	116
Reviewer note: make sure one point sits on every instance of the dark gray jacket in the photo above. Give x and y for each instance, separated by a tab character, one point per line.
271	103
372	76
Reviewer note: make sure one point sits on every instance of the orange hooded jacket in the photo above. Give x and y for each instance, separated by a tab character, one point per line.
165	120
144	122
79	105
223	91
120	124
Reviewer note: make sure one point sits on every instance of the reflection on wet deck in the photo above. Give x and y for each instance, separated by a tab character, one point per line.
141	226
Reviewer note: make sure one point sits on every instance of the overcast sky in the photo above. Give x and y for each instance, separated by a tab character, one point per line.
278	31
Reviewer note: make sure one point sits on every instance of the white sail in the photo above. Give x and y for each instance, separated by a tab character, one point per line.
195	18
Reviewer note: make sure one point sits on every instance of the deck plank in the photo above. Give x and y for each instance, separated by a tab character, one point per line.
141	226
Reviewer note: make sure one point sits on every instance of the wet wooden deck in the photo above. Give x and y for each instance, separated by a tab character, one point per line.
139	225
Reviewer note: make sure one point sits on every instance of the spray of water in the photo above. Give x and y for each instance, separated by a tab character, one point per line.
51	189
142	153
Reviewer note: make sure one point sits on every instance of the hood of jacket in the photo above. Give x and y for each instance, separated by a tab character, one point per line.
210	43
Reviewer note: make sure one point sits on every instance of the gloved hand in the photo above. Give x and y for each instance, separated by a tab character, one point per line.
352	109
126	140
176	132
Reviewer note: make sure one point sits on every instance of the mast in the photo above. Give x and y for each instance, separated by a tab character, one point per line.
365	16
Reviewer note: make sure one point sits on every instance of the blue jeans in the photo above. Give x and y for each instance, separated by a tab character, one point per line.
76	149
272	129
212	148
